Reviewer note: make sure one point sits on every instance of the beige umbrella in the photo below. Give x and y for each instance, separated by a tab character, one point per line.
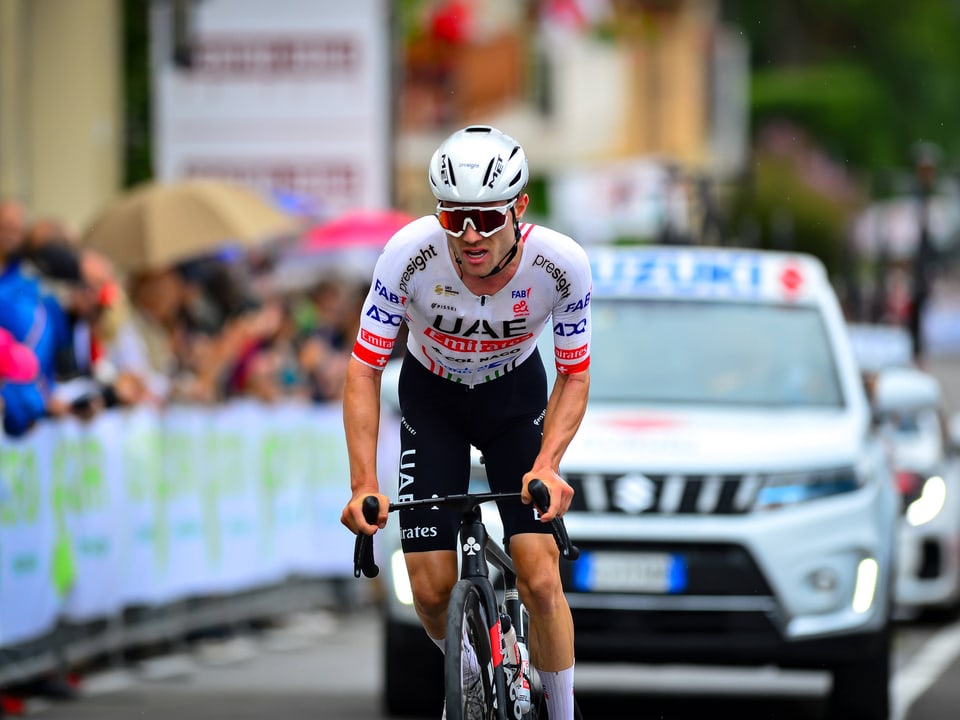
159	224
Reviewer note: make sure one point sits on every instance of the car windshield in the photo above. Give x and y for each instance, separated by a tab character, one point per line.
711	353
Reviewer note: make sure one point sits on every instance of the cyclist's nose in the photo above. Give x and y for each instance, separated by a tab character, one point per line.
470	234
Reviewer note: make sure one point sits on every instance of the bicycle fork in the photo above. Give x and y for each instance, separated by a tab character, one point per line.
473	548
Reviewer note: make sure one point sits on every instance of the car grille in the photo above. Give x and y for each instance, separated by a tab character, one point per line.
641	494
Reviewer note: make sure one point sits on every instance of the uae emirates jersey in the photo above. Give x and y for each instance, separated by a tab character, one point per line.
468	338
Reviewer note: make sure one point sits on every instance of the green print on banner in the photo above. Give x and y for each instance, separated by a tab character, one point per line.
20	504
291	470
142	472
77	487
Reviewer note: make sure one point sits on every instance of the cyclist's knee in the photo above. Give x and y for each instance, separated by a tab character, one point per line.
431	579
538	575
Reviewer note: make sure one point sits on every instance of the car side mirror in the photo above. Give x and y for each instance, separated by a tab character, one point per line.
953	433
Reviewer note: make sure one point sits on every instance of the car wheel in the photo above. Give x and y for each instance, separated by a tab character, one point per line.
413	672
861	688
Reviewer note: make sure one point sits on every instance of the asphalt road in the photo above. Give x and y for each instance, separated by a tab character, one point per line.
327	666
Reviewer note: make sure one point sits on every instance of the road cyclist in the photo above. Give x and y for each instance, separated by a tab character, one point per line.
475	287
487	673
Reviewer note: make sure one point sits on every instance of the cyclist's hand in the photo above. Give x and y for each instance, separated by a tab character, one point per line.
561	494
352	515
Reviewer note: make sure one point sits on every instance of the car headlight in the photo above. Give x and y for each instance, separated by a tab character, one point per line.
401	580
791	488
932	498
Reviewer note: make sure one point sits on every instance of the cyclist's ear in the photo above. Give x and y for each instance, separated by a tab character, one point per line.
521	207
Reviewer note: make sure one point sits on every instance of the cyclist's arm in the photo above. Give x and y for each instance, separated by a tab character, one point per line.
361	424
565	410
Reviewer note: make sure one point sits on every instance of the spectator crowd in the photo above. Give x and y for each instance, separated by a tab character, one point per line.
77	337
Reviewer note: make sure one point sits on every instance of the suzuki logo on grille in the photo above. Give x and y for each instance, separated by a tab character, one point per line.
634	493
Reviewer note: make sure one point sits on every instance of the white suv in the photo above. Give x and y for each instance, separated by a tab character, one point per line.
734	504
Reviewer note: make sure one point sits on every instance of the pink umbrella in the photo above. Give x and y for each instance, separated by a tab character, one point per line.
347	246
358	229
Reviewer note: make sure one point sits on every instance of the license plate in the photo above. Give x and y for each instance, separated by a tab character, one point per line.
630	572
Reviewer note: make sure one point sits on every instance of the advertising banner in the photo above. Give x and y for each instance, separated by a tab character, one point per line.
287	96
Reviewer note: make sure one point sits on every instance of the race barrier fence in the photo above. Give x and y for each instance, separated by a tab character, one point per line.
143	525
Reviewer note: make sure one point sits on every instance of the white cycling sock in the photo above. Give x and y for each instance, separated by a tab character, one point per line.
558	691
441	643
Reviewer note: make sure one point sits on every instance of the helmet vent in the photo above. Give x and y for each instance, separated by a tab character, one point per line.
516	178
453	179
486	175
478	129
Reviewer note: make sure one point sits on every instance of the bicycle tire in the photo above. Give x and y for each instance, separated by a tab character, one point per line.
469	689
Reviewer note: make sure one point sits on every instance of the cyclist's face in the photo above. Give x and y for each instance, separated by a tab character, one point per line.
479	255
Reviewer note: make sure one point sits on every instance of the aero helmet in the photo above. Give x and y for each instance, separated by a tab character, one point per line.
478	164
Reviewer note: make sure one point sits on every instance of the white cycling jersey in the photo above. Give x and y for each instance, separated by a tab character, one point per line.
468	338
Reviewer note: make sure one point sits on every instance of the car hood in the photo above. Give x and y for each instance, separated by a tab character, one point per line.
709	440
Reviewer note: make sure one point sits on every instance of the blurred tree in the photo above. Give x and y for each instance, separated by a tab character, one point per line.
867	78
861	82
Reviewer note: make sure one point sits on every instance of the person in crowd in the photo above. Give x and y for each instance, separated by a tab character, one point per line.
475	287
84	284
145	342
34	317
20	398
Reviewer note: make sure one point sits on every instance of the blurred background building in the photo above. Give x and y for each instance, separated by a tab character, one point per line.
787	125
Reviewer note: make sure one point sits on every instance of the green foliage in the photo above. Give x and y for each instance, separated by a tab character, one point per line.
868	78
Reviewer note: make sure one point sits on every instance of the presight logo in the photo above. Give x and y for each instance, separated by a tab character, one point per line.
417	262
556	272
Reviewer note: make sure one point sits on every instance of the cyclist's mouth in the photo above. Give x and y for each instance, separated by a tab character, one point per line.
475	255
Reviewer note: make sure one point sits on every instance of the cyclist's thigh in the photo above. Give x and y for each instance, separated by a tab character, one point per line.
434	457
432	572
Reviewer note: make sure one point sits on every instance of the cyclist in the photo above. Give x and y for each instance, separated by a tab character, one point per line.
475	287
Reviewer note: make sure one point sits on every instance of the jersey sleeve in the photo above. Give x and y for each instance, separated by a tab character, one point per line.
383	309
571	316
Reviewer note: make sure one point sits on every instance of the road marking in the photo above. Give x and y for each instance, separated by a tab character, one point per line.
923	669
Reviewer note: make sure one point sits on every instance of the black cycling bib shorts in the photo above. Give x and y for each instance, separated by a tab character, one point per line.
441	419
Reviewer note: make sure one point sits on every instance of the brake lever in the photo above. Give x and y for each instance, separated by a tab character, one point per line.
363	561
541	498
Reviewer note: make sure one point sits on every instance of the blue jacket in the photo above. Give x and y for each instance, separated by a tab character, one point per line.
23	406
38	321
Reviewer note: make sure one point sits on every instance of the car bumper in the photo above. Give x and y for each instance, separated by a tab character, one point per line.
775	587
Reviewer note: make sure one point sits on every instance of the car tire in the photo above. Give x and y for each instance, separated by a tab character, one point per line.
861	688
413	672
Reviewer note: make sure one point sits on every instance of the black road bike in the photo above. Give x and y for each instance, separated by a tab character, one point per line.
484	679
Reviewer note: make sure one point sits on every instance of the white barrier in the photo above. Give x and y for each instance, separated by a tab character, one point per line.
144	508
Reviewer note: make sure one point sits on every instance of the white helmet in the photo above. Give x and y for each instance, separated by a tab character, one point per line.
476	165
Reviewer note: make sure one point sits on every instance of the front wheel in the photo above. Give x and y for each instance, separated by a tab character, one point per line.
468	660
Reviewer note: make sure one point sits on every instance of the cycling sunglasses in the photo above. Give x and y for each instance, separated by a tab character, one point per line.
485	220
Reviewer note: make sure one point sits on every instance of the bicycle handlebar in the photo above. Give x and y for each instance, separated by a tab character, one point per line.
363	561
363	547
541	498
